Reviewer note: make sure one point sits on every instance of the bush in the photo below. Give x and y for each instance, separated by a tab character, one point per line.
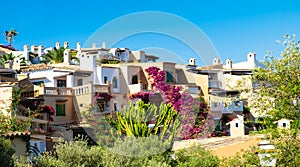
6	153
196	156
246	158
141	151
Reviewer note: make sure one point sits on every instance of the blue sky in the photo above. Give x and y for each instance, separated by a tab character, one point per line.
233	27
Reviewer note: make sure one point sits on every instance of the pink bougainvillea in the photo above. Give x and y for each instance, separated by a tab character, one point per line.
194	112
144	96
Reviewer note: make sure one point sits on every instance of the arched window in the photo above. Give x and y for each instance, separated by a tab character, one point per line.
115	82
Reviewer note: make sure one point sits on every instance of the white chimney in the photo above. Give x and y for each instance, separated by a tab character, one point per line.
40	50
57	45
94	45
78	46
26	52
104	45
251	58
33	48
192	62
66	44
229	63
67	56
16	64
216	60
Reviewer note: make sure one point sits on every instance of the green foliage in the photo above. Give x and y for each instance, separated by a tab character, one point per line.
8	124
9	35
280	82
6	153
16	94
140	146
69	154
287	144
141	151
10	57
57	56
243	159
196	156
134	120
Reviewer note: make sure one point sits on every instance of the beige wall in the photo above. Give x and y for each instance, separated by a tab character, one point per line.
70	114
19	145
5	99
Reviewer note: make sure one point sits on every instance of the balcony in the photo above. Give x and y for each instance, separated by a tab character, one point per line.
214	84
78	90
58	91
102	88
190	88
135	88
63	91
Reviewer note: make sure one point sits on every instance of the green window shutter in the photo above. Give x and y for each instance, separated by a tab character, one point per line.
60	109
169	77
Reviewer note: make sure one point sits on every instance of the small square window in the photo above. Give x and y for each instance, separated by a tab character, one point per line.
236	125
284	124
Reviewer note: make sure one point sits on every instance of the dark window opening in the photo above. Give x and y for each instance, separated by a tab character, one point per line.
61	83
169	77
134	79
236	125
105	79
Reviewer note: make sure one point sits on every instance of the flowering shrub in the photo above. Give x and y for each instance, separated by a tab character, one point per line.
171	93
144	96
193	112
48	109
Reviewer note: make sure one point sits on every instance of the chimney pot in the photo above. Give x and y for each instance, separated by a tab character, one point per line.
57	45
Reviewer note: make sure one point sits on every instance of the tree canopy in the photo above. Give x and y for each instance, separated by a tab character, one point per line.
57	56
9	35
279	83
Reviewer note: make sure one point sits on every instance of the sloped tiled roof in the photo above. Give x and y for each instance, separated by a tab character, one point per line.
14	134
35	67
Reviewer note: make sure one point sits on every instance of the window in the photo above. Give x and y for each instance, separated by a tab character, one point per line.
284	125
105	79
102	105
38	83
116	106
236	125
169	77
61	83
115	82
134	79
60	109
79	82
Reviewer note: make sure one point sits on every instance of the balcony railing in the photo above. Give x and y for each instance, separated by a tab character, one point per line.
78	90
191	88
214	84
101	88
135	88
58	91
81	90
